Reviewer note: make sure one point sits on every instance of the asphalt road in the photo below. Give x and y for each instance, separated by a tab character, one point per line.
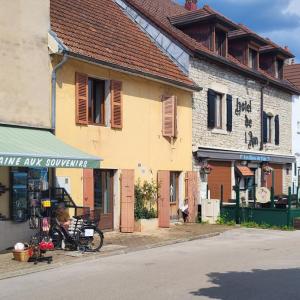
240	264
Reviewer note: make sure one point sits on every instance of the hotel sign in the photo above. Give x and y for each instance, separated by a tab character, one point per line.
47	162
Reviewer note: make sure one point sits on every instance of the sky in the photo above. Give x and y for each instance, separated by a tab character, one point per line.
278	20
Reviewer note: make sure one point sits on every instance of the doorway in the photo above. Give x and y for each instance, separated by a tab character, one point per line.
103	197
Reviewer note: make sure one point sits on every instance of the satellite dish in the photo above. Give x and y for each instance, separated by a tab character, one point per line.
263	195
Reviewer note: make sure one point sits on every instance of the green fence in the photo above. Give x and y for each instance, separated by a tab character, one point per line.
266	216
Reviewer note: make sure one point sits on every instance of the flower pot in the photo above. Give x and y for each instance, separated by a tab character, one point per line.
144	225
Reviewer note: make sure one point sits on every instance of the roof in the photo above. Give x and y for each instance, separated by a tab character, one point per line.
201	14
98	30
292	74
162	12
244	171
244	31
30	147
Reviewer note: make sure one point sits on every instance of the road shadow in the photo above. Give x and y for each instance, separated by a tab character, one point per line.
281	284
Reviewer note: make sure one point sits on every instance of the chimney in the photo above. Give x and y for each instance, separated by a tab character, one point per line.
190	4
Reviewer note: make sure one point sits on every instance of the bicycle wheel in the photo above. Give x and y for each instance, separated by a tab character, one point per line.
95	242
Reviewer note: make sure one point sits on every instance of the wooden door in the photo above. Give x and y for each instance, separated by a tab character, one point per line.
220	175
278	182
103	197
191	184
127	201
88	188
163	180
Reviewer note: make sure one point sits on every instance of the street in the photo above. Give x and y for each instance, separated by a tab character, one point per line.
239	264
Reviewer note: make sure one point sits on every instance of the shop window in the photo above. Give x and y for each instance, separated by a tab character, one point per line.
174	187
253	59
279	68
96	101
220	42
27	185
103	190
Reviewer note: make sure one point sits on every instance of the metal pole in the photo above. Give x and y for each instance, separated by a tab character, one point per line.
237	204
272	197
222	195
289	207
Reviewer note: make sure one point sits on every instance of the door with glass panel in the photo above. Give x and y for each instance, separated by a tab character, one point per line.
174	195
103	198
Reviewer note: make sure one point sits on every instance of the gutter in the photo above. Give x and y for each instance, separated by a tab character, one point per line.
261	148
53	91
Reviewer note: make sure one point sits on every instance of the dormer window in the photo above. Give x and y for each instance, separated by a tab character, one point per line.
221	42
279	68
253	59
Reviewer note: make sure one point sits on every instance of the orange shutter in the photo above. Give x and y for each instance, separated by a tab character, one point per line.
169	116
163	180
191	181
88	188
116	104
127	201
81	99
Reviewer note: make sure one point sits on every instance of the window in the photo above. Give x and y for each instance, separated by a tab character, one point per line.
298	127
220	43
96	101
253	58
103	190
174	179
279	68
218	111
269	136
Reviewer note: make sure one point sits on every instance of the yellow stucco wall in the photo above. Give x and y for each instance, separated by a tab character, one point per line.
140	144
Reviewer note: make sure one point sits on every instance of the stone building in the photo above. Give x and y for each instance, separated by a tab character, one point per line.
292	73
242	116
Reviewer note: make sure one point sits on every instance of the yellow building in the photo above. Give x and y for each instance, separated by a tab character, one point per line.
123	101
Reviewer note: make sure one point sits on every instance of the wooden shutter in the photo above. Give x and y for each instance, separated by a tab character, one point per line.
277	130
127	201
211	109
169	116
265	128
88	188
229	113
116	104
163	180
81	99
191	181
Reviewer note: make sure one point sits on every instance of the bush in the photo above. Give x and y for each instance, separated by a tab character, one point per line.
145	200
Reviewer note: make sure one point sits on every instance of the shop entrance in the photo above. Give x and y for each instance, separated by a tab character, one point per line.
103	197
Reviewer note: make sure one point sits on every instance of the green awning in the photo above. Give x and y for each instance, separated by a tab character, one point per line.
23	147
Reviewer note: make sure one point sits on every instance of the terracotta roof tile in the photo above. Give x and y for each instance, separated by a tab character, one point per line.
99	30
292	74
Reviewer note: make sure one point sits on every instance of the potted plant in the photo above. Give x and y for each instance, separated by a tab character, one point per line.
267	169
145	208
206	168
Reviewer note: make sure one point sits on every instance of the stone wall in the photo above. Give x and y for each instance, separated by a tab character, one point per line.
221	79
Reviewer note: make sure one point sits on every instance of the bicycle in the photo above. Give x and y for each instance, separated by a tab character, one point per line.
82	234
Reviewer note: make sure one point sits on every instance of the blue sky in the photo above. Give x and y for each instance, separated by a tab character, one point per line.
277	19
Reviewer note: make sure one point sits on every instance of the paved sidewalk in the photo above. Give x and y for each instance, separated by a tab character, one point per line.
114	243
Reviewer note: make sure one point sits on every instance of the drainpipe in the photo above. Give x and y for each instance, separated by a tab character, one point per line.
262	115
53	95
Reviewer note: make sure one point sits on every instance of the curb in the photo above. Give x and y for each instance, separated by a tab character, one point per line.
54	265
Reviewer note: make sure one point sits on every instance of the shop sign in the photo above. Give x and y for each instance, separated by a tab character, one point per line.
42	162
246	107
254	157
